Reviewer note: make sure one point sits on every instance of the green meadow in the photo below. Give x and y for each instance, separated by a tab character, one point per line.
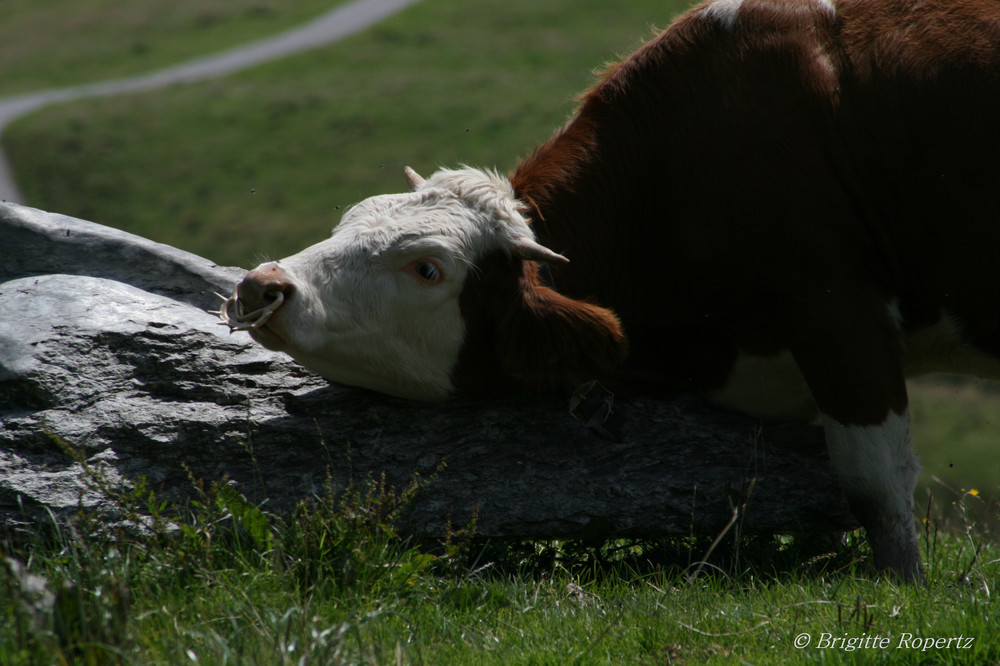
57	43
261	164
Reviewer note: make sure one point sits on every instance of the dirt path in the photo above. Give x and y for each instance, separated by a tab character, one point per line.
330	27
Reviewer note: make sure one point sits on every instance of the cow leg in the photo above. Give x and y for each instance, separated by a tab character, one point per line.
878	471
854	369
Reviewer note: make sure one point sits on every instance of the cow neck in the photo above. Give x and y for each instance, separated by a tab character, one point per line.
545	276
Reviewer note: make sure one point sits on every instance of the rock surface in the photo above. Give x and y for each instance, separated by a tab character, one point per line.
106	343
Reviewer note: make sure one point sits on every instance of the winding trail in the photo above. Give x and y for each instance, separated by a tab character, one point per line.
330	27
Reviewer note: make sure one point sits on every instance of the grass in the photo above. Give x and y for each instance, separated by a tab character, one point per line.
220	581
955	424
57	43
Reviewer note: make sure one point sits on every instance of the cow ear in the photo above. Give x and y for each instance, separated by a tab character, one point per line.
547	338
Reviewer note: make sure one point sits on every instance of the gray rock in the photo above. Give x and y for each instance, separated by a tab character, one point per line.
107	345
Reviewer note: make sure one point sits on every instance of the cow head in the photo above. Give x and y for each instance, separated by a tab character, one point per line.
426	293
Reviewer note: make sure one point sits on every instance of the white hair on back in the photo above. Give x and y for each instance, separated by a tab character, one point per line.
726	12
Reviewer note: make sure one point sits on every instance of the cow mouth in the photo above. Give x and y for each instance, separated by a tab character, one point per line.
233	312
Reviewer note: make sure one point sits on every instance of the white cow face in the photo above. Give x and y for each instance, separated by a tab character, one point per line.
377	304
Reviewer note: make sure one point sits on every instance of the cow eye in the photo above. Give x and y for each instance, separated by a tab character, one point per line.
426	270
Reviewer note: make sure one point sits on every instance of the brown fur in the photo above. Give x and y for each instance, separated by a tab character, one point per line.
792	179
715	183
523	335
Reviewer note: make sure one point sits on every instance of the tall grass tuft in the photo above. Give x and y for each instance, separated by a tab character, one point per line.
344	541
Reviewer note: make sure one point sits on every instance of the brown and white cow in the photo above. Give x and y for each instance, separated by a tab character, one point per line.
786	205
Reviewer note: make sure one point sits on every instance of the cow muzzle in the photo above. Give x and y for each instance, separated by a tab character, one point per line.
258	296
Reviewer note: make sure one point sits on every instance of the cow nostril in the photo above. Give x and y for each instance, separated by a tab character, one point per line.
254	298
263	286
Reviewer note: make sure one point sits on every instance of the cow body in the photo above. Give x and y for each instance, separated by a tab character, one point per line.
785	206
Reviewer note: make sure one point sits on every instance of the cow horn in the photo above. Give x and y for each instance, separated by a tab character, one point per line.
526	248
413	178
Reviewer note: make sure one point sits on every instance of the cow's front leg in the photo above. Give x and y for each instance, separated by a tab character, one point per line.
851	358
878	471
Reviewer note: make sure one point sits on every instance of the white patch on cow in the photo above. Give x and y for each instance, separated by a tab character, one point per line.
875	461
724	12
829	7
727	12
878	470
360	316
768	386
894	314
